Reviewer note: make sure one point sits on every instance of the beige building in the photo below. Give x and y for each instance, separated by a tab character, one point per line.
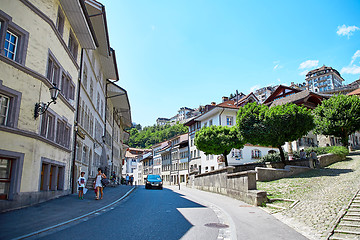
45	44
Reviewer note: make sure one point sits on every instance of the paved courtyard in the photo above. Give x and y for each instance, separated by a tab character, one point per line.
322	193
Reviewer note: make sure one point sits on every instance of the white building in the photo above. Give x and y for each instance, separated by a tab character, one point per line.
223	114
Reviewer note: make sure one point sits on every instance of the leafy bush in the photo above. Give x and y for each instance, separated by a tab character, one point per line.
272	157
339	150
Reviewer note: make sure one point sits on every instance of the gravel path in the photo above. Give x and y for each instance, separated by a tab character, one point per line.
322	194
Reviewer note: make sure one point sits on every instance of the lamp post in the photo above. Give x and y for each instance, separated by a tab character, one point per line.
41	108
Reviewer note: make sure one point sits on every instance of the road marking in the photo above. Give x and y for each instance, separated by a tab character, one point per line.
96	212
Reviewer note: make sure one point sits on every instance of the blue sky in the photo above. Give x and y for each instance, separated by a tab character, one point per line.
172	54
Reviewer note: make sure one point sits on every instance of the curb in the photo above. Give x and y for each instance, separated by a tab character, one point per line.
74	219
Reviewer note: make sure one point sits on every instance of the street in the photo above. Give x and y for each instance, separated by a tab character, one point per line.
174	214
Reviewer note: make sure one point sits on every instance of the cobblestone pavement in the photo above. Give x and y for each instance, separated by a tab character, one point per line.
322	194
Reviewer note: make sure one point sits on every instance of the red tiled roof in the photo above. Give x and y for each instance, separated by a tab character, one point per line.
355	92
228	104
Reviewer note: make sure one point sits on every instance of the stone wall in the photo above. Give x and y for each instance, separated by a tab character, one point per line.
269	174
241	185
328	159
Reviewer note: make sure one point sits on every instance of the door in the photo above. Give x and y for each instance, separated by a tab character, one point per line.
5	176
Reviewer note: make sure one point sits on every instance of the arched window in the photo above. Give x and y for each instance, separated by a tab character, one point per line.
256	153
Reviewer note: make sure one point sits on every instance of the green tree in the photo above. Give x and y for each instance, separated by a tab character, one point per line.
258	124
151	135
338	116
218	140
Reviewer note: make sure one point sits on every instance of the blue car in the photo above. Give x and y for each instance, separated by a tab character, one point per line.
153	181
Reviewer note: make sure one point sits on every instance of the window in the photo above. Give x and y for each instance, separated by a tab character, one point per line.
52	175
67	87
53	71
236	153
229	121
85	76
210	123
91	88
13	39
73	46
60	22
10	47
98	102
4	109
47	126
255	153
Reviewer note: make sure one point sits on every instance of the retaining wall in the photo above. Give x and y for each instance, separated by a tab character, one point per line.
241	185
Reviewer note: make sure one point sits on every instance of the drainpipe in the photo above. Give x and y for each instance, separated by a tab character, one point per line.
72	181
220	116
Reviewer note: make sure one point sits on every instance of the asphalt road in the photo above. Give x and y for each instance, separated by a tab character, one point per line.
145	214
172	214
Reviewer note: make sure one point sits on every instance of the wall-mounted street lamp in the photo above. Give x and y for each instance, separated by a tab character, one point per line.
40	108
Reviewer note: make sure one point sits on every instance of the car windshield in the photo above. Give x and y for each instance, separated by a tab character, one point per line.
154	177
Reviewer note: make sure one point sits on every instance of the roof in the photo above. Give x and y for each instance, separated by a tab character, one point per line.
281	90
228	104
246	99
97	16
355	92
77	15
299	98
119	98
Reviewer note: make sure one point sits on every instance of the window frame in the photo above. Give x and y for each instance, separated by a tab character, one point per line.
14	105
60	22
20	33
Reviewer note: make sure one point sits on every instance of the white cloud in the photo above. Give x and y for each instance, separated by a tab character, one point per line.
350	70
303	73
277	66
356	55
308	64
254	88
346	30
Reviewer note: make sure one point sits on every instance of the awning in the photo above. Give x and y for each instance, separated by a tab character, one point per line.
76	14
119	98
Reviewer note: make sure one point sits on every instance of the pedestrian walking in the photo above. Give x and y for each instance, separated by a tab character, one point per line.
312	159
131	180
127	179
81	184
302	154
98	184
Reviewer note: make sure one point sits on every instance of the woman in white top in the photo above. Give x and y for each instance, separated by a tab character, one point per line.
98	184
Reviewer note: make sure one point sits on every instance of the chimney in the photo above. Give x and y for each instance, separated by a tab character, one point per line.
224	99
213	103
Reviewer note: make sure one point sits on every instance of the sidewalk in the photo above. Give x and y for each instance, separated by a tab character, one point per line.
31	219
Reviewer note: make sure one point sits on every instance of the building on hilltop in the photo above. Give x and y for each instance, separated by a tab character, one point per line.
323	79
263	93
184	113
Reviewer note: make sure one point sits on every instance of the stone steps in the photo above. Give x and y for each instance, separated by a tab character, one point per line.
349	225
341	236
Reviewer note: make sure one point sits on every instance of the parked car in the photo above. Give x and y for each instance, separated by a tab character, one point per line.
153	181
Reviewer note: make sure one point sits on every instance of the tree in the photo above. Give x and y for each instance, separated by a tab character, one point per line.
218	140
338	116
151	135
258	124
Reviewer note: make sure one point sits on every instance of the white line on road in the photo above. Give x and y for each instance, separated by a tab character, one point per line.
74	219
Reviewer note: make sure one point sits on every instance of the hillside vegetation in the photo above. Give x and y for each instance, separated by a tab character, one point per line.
148	136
